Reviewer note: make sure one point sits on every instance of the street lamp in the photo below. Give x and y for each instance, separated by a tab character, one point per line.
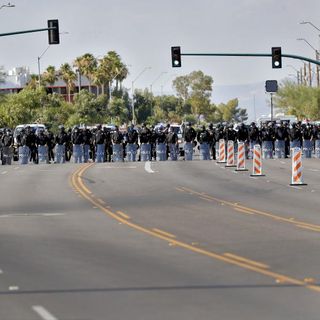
317	56
297	71
308	22
160	75
41	55
39	73
8	5
132	92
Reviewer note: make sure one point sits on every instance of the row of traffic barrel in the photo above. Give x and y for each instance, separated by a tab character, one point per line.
226	154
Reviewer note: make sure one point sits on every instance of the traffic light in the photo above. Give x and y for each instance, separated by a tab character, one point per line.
176	57
276	57
53	34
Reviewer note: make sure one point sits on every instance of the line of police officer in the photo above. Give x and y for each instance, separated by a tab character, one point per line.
102	144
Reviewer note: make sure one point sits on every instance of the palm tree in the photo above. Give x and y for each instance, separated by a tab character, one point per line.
87	65
68	76
50	76
33	82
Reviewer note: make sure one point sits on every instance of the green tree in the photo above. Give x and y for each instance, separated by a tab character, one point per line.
144	105
231	112
50	76
300	101
89	109
195	89
68	76
118	111
87	66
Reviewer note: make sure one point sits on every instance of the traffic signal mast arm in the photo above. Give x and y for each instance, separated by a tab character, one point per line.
292	56
25	31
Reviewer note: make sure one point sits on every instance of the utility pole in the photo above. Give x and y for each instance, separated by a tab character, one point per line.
310	75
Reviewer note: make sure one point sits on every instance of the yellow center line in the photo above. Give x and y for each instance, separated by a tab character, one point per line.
123	215
278	277
308	228
203	198
254	263
258	212
164	233
244	211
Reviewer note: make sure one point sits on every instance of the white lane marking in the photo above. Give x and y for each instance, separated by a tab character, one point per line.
147	167
43	313
4	172
295	187
1	272
282	162
13	288
314	170
16	168
110	167
14	215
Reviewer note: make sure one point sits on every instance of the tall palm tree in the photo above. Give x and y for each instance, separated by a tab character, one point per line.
87	65
68	76
50	76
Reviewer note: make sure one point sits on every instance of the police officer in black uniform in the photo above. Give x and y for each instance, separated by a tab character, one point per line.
6	143
32	144
212	140
50	144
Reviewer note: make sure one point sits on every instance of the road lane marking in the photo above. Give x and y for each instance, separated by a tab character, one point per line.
147	167
110	167
16	215
43	313
232	261
4	172
309	228
254	263
258	212
243	211
178	189
203	198
13	288
164	233
101	201
123	215
1	272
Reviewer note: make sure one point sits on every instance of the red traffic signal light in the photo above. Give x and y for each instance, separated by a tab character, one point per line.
176	57
276	57
53	32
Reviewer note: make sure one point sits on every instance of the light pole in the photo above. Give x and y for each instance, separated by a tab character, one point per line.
159	76
8	5
41	55
39	73
297	71
132	91
317	57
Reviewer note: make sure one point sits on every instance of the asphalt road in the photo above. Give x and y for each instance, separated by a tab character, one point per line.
170	240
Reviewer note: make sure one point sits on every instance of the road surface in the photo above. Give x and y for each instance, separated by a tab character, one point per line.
170	240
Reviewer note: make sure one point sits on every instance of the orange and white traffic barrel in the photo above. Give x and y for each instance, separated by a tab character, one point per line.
230	154
257	161
222	151
241	157
296	177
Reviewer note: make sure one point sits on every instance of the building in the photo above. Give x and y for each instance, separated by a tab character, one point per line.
18	78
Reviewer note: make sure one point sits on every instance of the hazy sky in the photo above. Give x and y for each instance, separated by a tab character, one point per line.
142	32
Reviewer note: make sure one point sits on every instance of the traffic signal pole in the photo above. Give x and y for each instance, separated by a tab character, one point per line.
25	31
292	56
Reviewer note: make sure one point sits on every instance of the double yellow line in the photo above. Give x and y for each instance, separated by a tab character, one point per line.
244	209
79	186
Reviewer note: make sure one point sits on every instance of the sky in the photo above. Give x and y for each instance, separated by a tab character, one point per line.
142	32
